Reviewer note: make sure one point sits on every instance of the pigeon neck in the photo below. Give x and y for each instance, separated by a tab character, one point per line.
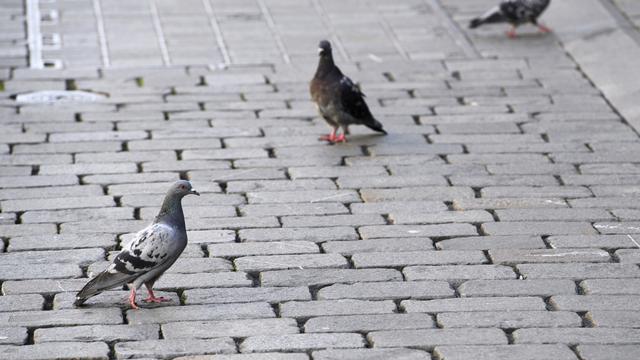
325	66
171	212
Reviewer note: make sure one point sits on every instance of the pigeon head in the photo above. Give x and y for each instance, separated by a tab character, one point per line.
182	188
324	48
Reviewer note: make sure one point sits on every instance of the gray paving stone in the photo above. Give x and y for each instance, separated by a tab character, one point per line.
507	203
428	338
576	336
371	181
232	328
319	277
371	354
292	209
21	302
505	352
232	295
91	333
553	215
335	171
417	193
576	271
537	287
387	290
171	348
306	309
613	319
332	220
535	192
502	180
397	206
57	203
605	202
164	315
603	352
259	248
13	335
509	319
628	255
513	256
523	303
444	257
591	241
377	245
172	281
471	216
537	228
594	302
456	274
60	350
275	262
304	342
254	356
439	230
366	323
318	234
611	286
66	215
303	196
61	317
278	185
18	270
10	230
491	242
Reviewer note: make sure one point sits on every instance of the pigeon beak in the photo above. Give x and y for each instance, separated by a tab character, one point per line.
194	192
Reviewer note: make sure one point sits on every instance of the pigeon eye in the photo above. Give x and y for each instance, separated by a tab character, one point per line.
182	187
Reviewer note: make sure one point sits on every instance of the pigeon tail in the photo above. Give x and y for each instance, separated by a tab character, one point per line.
492	16
103	281
376	125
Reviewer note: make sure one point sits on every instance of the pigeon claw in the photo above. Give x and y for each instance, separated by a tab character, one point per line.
340	138
160	299
330	137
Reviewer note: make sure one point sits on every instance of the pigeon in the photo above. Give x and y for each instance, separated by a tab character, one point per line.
339	101
153	250
515	12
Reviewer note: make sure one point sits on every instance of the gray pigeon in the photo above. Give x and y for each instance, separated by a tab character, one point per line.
339	101
150	254
515	12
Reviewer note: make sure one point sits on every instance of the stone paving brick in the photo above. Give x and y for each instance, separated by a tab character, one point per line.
591	241
628	256
456	274
42	286
318	234
293	209
303	196
404	159
502	180
438	169
91	333
416	193
523	303
605	202
385	231
397	206
231	295
57	203
275	262
366	323
51	192
491	242
594	302
172	281
164	315
60	350
68	147
553	215
577	271
611	286
509	319
280	185
18	270
36	181
236	174
537	287
21	302
472	216
332	220
232	328
609	179
298	342
428	338
28	159
533	192
507	203
319	277
270	248
13	335
108	179
537	228
387	290
254	356
64	215
514	256
172	348
335	171
603	352
306	309
613	319
444	257
377	245
505	352
576	336
61	317
371	354
354	182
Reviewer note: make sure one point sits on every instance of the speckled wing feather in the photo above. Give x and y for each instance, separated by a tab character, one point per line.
149	250
522	11
352	101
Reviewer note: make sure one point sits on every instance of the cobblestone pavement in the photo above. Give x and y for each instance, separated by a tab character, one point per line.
499	219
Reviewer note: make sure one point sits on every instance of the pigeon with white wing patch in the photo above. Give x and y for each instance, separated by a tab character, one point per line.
149	254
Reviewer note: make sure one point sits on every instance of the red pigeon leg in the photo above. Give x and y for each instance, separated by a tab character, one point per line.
341	138
544	29
512	32
330	138
132	299
153	299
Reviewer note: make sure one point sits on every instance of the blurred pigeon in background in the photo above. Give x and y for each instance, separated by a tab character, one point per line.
515	12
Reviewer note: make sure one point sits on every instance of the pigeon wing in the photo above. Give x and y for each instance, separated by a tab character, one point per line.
149	250
352	100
